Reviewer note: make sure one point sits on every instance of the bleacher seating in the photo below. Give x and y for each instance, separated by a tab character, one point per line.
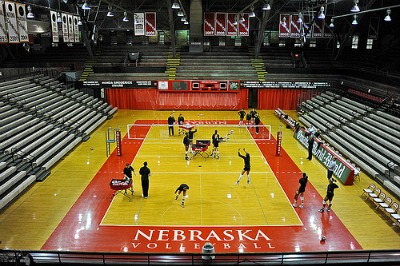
41	122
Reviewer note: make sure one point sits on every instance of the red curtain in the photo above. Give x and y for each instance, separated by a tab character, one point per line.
152	99
286	99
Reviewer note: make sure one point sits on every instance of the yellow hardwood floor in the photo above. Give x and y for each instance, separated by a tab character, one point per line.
29	221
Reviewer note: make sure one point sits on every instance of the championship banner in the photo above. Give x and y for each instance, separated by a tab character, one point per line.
279	142
318	29
71	34
328	32
64	18
284	25
295	26
231	27
138	24
13	36
209	22
244	26
151	29
220	24
308	25
3	31
76	28
22	24
373	28
54	26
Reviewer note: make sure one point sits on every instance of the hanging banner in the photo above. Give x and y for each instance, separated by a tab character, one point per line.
22	24
119	143
220	24
279	142
76	28
151	29
244	26
138	24
209	24
13	36
54	26
3	31
64	18
71	34
231	27
373	28
308	25
328	31
318	29
295	26
284	25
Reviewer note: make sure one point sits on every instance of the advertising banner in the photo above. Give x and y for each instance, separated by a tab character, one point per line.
13	36
231	27
3	28
22	24
220	24
284	26
54	26
343	170
151	29
138	24
209	24
244	26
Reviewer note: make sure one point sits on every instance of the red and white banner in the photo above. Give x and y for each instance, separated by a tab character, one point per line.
13	36
76	28
220	24
318	28
244	26
151	29
22	24
284	25
328	32
209	24
3	29
64	24
54	26
71	34
295	26
139	24
231	27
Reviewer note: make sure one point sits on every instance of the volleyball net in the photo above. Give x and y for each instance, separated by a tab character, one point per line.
227	132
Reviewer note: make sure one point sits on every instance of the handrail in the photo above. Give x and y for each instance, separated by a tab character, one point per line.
358	257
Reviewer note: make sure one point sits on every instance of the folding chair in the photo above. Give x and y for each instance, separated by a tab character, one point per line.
386	204
380	199
374	194
371	188
392	209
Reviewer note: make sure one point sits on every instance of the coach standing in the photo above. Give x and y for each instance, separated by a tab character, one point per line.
145	173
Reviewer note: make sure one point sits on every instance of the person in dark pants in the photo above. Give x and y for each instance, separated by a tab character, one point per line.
171	122
257	122
246	168
181	121
128	169
145	173
186	143
310	147
300	191
181	189
329	195
331	167
191	135
241	114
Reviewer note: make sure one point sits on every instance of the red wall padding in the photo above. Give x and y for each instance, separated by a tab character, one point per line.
286	99
152	99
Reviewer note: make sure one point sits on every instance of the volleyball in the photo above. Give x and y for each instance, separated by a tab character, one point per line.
231	132
323	238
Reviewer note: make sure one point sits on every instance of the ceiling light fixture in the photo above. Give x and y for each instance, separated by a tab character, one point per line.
355	22
180	13
355	8
321	13
388	18
30	14
125	19
266	7
332	25
176	5
110	13
85	6
300	19
252	14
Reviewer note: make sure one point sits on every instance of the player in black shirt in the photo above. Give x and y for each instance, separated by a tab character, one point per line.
215	141
181	121
246	168
171	121
241	114
145	173
182	188
300	190
128	173
329	195
186	143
